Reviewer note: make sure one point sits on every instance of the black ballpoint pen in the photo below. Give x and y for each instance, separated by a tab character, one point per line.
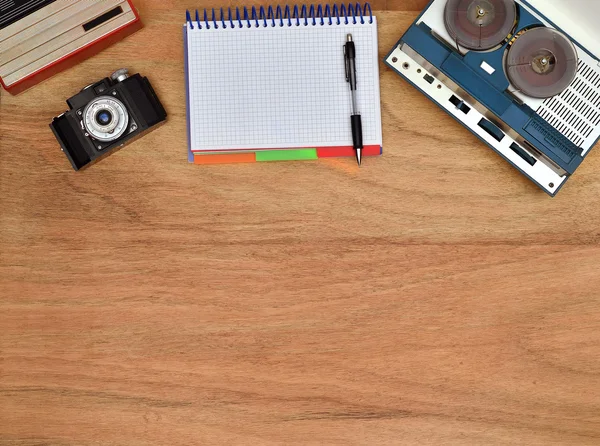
350	62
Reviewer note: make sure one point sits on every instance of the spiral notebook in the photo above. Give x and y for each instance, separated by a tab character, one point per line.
267	84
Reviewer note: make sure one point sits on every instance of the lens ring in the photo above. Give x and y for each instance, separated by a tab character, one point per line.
106	130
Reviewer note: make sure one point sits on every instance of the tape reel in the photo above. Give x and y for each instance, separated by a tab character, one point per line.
541	63
480	25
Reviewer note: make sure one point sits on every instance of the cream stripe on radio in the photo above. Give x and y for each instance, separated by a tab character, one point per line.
70	47
52	34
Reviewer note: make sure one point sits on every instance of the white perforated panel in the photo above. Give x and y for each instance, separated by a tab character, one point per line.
576	111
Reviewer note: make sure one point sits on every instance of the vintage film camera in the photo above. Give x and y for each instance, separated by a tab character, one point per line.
106	115
39	38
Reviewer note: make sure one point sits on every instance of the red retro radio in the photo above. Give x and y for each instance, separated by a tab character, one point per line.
39	38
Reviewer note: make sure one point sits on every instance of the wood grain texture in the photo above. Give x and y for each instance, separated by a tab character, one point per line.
434	296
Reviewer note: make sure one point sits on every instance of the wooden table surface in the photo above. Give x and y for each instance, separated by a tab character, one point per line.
434	296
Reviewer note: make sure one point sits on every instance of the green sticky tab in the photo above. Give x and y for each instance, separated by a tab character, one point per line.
286	155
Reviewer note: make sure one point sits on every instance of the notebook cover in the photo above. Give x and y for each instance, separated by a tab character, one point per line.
187	93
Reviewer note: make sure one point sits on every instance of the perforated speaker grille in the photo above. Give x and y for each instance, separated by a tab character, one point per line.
576	111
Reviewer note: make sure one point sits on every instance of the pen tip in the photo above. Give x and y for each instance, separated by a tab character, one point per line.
358	156
349	37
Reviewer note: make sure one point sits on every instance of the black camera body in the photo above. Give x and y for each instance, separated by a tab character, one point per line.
106	115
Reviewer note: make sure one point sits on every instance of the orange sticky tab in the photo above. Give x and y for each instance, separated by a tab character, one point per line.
226	158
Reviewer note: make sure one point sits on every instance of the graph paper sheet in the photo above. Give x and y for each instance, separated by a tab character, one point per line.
279	87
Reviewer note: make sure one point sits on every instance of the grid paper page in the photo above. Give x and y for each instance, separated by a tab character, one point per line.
280	87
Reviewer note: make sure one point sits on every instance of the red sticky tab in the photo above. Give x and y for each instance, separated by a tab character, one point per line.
329	152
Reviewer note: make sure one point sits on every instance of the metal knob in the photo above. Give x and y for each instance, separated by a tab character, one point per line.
120	75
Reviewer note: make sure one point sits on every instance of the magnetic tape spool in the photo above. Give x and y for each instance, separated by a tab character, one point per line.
480	25
541	62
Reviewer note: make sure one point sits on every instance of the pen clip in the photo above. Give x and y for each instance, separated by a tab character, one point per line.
346	65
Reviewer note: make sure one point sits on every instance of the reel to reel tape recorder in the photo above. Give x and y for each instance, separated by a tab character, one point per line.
512	77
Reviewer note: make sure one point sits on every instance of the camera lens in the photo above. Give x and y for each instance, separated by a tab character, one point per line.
104	117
